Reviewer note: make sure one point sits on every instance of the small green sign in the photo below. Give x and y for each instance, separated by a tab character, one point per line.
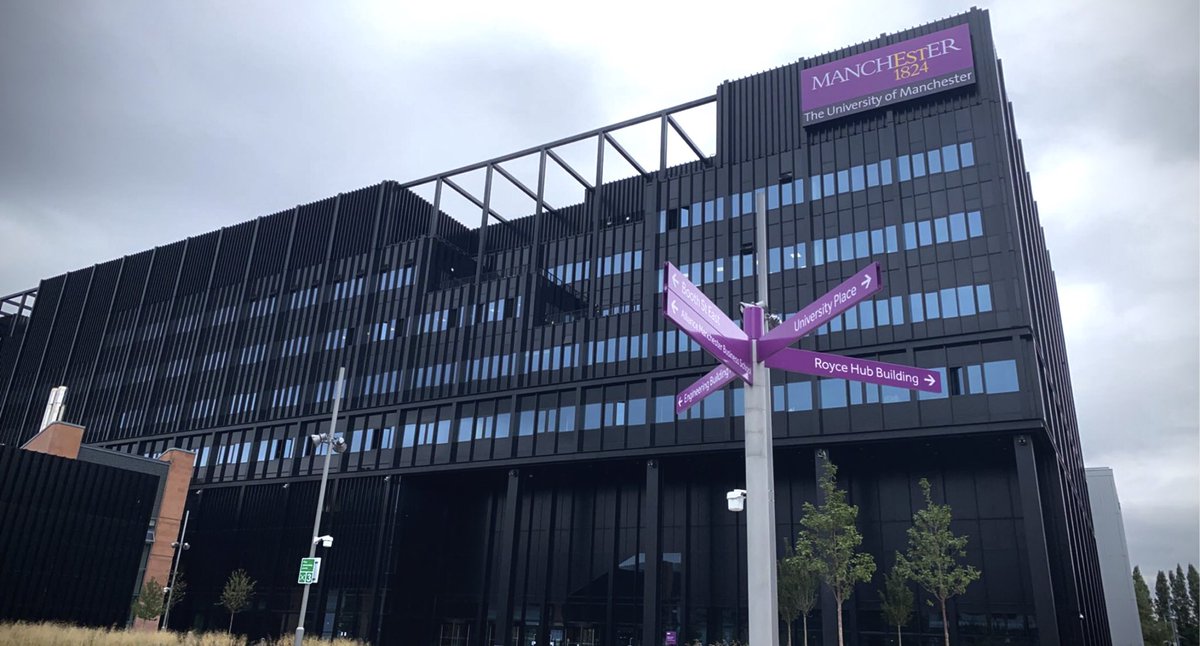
310	570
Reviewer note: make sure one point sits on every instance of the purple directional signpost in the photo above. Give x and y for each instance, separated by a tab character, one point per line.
747	354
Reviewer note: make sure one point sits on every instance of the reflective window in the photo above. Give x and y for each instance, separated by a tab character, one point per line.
897	310
910	235
968	154
958	226
941	230
950	157
833	393
966	300
881	312
857	179
773	197
917	307
903	168
935	160
918	162
847	242
931	305
799	396
815	191
984	292
975	224
1000	376
827	184
949	302
866	315
885	171
926	232
862	249
872	174
843	181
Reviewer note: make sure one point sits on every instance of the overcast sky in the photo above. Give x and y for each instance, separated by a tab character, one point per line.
124	125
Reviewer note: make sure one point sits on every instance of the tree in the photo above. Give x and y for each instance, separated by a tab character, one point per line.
1162	598
933	555
896	601
238	592
830	540
799	586
1154	632
150	601
1193	584
1181	608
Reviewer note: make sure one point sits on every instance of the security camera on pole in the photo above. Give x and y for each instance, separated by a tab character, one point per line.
310	568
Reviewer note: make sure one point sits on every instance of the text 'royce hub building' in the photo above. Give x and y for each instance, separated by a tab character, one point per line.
515	471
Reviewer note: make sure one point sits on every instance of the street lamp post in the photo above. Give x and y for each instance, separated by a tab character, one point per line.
336	444
180	547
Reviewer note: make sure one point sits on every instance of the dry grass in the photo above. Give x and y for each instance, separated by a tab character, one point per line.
47	634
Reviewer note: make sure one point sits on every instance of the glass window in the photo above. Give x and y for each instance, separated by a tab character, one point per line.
502	424
789	258
918	162
525	423
815	187
861	248
774	259
984	292
857	181
968	153
958	226
1000	376
975	224
918	308
835	324
866	315
975	380
881	312
851	317
872	174
843	181
713	406
591	416
798	190
801	255
939	395
966	300
847	241
931	305
833	393
935	160
877	241
885	171
443	431
664	409
831	249
925	232
856	392
895	394
903	167
636	411
949	302
785	194
818	253
910	235
748	203
827	184
773	197
897	310
941	230
950	157
720	211
778	398
739	401
799	396
465	426
889	233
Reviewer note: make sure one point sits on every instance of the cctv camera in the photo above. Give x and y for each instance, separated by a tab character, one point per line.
339	444
315	439
736	500
326	541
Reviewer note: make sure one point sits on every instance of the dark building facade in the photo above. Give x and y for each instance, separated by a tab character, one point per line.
516	472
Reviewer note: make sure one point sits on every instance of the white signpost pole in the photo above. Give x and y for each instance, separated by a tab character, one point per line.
760	466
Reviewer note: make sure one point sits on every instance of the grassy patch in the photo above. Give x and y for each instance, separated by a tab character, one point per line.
49	634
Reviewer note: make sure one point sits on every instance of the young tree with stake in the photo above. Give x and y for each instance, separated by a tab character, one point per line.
896	601
933	555
830	540
798	590
236	596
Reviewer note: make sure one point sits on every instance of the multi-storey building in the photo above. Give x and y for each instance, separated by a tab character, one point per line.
516	472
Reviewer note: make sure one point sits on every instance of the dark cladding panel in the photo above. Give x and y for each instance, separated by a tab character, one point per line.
21	393
133	281
161	285
236	243
270	249
758	115
72	540
198	263
92	325
356	222
311	238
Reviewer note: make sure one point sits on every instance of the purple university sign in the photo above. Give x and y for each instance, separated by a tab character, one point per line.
875	372
916	67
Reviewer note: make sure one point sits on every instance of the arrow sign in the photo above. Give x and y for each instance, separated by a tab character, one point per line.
703	387
837	366
855	289
731	351
675	281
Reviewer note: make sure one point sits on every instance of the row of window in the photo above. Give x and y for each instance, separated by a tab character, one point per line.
442	320
850	180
